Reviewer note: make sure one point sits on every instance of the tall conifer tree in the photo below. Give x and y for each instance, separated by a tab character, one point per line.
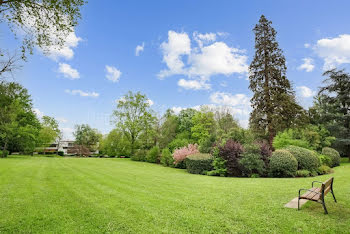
273	102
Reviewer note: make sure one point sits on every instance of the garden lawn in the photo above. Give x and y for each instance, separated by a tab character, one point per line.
93	195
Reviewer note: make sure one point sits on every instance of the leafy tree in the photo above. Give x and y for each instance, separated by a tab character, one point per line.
115	144
133	116
43	23
168	129
273	102
203	126
87	136
185	119
49	131
332	108
19	126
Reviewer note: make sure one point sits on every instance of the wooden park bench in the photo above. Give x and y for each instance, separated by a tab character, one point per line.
317	194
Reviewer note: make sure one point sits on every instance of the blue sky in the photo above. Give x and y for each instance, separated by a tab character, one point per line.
190	53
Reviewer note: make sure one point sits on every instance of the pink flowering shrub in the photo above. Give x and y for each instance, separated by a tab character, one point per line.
180	154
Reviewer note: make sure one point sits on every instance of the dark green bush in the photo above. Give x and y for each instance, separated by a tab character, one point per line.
4	153
60	153
283	164
303	173
153	155
166	158
322	170
199	163
307	159
219	164
333	154
139	155
325	160
252	164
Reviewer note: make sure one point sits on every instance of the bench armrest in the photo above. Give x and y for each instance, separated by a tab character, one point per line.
307	190
316	182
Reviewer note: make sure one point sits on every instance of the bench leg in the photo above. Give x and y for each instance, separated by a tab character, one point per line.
335	200
298	203
324	207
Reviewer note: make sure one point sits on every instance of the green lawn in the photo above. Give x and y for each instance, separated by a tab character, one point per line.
92	195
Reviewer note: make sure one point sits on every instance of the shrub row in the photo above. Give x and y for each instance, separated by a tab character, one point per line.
199	163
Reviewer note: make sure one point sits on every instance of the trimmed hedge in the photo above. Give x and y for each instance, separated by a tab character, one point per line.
333	154
303	173
322	170
283	164
199	163
307	159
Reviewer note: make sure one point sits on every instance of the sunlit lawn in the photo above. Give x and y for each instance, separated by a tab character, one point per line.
40	194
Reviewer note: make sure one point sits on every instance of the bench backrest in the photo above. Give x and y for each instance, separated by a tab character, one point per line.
327	185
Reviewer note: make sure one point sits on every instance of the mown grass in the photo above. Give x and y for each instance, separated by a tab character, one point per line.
92	195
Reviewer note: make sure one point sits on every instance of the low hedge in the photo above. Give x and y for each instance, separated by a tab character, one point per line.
303	173
333	154
283	164
325	160
153	155
166	158
322	170
139	155
199	163
307	159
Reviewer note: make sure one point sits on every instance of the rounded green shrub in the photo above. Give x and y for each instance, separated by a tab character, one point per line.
333	154
3	153
307	159
325	160
153	155
252	164
303	173
139	155
199	163
322	170
60	153
166	158
283	164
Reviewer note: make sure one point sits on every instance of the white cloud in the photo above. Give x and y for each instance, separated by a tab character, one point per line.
82	93
229	99
308	65
305	91
209	58
112	73
178	44
68	71
307	45
139	49
66	51
193	84
334	51
150	102
177	109
38	113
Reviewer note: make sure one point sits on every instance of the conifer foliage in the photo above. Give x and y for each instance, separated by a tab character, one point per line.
273	102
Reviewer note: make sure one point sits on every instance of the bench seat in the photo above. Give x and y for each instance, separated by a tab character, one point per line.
313	194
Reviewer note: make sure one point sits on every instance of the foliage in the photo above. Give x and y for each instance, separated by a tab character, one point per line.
166	158
49	131
203	126
134	117
283	164
331	108
324	169
185	119
231	152
60	153
333	154
310	137
273	101
302	173
115	144
307	159
180	154
139	155
43	23
19	126
219	164
265	152
199	163
178	143
153	155
325	160
251	164
168	129
80	150
205	145
87	136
